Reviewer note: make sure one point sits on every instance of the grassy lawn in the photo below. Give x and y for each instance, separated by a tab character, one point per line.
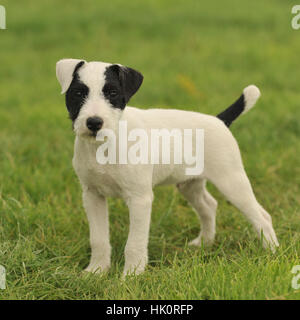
195	55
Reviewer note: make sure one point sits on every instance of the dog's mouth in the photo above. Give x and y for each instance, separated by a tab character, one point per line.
93	134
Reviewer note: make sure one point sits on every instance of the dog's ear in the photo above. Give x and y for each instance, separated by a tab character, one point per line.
65	70
130	80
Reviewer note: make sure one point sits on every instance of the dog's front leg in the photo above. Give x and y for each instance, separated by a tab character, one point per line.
136	250
97	213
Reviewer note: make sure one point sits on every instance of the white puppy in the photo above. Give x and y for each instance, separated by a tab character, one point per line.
96	97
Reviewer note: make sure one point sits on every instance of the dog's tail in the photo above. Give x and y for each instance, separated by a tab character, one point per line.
243	104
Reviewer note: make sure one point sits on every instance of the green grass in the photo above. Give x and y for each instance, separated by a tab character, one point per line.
195	55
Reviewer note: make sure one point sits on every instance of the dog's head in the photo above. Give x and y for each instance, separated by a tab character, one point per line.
96	93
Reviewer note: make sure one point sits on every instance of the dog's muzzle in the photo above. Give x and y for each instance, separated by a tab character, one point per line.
94	124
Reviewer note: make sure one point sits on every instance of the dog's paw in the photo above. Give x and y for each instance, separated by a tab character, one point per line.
134	269
272	245
267	233
270	241
96	268
135	261
197	242
202	241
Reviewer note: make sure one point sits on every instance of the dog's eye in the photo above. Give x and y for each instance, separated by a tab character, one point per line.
78	93
113	93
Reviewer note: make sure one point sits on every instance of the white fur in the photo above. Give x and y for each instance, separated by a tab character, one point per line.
134	183
251	94
64	72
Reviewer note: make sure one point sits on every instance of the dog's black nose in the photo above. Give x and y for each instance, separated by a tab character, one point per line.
94	123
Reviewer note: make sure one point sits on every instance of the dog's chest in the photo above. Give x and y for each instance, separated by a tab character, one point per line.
94	175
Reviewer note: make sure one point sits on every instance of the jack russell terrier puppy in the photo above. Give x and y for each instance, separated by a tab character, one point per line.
97	94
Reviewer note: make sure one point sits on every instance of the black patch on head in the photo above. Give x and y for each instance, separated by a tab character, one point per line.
121	83
232	112
76	94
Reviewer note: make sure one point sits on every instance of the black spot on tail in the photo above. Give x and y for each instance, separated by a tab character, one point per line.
231	113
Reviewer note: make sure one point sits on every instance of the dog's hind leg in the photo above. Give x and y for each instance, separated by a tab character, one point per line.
205	206
235	185
265	214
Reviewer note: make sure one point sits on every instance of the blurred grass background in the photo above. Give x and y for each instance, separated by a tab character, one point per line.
194	55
